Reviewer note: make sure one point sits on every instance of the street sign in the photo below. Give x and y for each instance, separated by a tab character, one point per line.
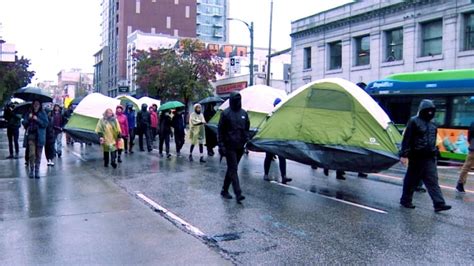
234	67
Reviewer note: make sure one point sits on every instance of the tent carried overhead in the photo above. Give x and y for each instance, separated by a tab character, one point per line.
81	126
149	101
127	99
331	123
257	100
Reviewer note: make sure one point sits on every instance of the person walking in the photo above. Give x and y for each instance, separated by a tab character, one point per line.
58	120
67	115
269	158
143	127
131	119
197	133
13	130
233	134
36	123
108	130
123	122
211	140
468	163
49	149
179	130
153	123
165	132
419	153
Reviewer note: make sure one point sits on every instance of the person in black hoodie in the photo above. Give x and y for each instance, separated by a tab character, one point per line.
419	152
211	140
143	127
233	134
179	130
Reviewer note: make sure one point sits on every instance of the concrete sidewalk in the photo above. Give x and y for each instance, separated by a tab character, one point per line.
76	215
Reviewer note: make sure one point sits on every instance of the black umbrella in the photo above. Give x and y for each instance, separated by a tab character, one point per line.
32	94
22	108
77	100
213	99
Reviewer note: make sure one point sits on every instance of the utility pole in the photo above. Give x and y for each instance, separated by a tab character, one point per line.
270	45
250	28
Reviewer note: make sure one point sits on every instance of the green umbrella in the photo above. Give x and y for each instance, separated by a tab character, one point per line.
171	105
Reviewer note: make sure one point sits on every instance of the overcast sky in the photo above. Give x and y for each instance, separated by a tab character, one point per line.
62	34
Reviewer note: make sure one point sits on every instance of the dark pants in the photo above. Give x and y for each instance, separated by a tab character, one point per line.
233	157
268	162
425	170
34	155
179	141
153	132
49	150
13	134
113	154
146	133
165	139
128	142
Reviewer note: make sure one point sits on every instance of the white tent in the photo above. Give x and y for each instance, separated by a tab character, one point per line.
95	104
149	101
258	98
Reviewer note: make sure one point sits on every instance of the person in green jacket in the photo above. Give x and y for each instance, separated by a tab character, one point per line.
108	130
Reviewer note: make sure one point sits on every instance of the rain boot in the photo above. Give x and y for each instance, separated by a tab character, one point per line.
201	160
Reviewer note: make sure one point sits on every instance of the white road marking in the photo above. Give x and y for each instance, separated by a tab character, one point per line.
78	156
400	178
332	198
157	207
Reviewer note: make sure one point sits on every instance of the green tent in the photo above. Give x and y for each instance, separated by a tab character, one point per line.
81	126
331	123
257	100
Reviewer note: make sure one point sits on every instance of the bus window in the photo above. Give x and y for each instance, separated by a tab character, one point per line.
463	111
440	115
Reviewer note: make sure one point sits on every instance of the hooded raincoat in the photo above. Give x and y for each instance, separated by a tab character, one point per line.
197	133
109	129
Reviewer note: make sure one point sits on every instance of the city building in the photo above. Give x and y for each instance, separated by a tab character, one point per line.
121	17
235	61
211	20
51	86
370	39
74	83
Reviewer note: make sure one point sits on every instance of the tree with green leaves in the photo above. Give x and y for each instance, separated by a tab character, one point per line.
14	75
183	73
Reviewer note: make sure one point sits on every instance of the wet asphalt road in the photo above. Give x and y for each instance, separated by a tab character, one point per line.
316	219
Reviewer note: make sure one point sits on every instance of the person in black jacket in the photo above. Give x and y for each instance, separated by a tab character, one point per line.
211	140
13	130
49	149
143	127
165	132
419	152
233	134
469	162
179	130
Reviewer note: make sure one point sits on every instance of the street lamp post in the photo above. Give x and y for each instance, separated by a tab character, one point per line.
250	27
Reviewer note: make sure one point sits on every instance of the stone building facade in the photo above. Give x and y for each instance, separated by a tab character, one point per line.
370	39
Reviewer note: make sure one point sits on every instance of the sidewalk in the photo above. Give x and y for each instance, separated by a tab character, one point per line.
76	215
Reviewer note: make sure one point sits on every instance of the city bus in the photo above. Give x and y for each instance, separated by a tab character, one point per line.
453	94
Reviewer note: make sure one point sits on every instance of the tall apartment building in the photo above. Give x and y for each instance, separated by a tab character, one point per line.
120	18
211	20
368	40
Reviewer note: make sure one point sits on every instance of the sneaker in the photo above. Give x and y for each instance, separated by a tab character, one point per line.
285	180
226	195
239	199
59	155
460	188
442	208
267	178
52	163
201	160
407	205
168	155
119	160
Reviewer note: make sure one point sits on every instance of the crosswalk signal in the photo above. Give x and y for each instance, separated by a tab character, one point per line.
232	62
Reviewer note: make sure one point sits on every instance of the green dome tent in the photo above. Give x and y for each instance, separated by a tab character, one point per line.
81	126
331	123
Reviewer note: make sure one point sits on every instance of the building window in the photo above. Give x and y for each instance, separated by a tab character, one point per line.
153	30
187	11
335	55
469	31
432	38
307	58
176	33
137	6
168	22
176	2
394	45
362	50
129	30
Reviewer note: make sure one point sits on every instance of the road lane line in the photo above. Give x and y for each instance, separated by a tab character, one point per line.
78	156
332	198
157	207
400	178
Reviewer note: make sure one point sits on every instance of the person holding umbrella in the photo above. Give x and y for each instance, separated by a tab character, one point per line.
13	130
36	122
196	132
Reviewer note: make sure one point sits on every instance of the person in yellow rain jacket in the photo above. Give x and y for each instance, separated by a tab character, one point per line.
197	133
109	133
